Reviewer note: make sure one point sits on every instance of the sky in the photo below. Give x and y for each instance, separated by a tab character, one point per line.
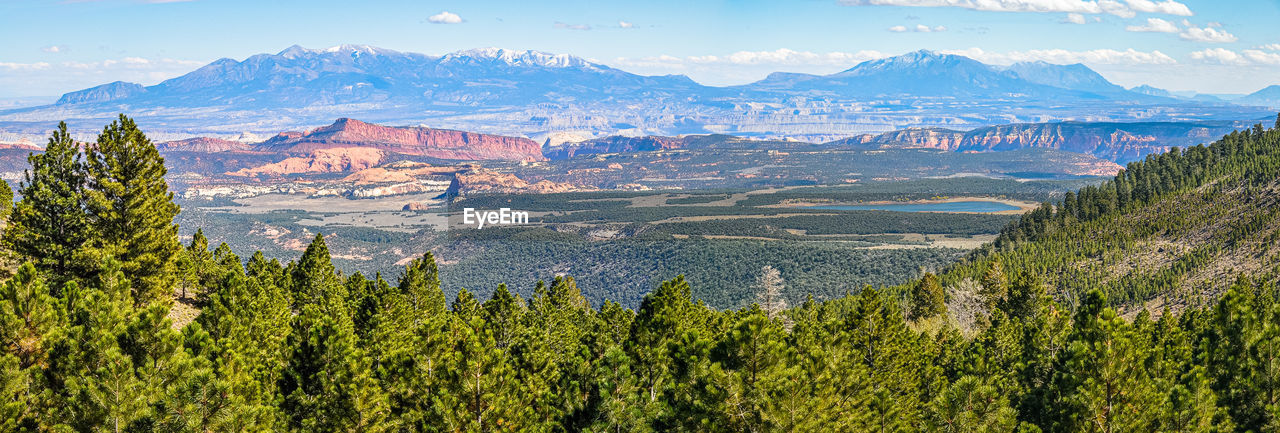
1209	46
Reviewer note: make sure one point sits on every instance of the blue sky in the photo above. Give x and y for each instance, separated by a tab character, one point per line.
55	46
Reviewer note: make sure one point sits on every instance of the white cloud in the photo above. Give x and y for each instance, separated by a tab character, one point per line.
45	78
567	26
1116	8
1245	58
626	25
1262	57
39	66
1060	56
1269	47
1168	7
1128	9
54	49
918	28
1074	18
1220	56
445	17
1207	34
1155	25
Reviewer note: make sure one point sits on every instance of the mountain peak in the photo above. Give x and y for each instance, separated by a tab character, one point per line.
296	51
103	93
517	58
361	49
915	62
1151	91
1074	76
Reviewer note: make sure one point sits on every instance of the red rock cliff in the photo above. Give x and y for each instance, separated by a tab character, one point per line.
429	142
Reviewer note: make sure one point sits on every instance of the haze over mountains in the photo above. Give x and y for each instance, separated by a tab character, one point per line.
535	94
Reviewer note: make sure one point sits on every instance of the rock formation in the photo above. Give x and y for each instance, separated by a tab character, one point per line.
1119	142
332	160
417	141
204	144
616	144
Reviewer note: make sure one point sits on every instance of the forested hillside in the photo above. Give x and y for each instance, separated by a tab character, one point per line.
1172	230
89	343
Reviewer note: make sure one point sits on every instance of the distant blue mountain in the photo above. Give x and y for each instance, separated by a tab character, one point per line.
1074	77
351	74
103	93
1152	91
531	93
932	75
1267	97
918	74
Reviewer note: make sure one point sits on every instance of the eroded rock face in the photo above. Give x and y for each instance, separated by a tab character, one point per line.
418	141
204	144
1119	142
333	160
616	144
489	181
400	171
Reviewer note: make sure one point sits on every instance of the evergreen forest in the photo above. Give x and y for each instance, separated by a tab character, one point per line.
95	272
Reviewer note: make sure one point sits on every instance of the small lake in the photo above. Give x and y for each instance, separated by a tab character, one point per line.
978	206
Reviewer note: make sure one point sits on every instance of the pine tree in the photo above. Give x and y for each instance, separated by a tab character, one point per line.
927	298
15	396
132	209
664	315
1104	383
6	201
421	283
995	286
98	374
969	405
28	326
48	226
314	280
28	315
193	267
327	385
883	348
747	359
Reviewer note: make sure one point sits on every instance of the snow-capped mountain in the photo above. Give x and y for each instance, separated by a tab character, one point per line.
528	93
348	74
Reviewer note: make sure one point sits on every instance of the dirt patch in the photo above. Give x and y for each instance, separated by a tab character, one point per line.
182	313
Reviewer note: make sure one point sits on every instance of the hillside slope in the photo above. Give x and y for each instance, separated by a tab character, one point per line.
1174	230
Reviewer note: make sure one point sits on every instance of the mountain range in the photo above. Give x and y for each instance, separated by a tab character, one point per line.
535	94
1118	142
